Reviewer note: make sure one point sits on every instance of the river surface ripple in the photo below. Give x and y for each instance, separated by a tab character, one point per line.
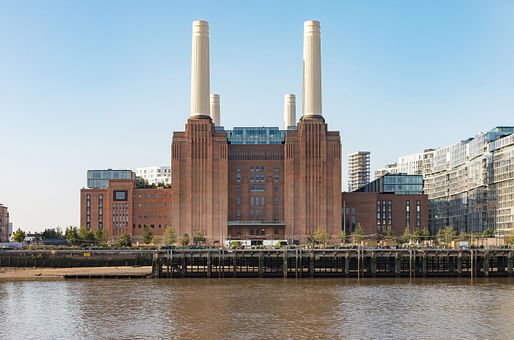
258	308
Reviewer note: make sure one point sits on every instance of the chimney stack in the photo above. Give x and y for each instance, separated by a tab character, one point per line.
200	77
289	111
311	96
215	109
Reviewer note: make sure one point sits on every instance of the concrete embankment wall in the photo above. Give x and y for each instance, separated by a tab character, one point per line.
75	258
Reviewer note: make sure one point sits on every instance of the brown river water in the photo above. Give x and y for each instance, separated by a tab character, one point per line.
439	308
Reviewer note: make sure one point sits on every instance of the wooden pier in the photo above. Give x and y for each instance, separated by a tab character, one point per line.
303	263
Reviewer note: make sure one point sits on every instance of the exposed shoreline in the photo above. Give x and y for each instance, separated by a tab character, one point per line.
31	273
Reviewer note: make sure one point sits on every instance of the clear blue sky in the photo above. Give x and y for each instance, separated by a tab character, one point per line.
102	84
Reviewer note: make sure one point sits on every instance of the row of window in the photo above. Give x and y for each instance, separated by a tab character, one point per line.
151	226
256	213
151	204
151	195
257	168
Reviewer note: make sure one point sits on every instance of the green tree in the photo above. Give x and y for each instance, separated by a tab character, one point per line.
156	240
446	235
18	236
389	234
87	237
358	234
170	237
125	240
406	236
421	235
198	237
52	234
101	236
147	234
185	239
318	236
488	233
72	235
342	236
509	238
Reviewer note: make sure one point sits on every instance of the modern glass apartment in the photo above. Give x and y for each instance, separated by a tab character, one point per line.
99	179
399	184
470	184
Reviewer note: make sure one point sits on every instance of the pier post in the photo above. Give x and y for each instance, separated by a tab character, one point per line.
486	263
261	264
311	264
397	265
459	263
510	263
424	264
347	264
284	263
373	264
296	264
234	263
209	272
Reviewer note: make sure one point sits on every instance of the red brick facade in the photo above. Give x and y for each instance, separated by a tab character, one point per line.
216	192
362	207
128	213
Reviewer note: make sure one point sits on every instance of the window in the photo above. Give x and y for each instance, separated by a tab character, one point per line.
407	213
238	212
262	177
238	188
251	168
238	200
262	168
238	177
275	201
251	212
262	201
139	195
251	177
276	168
252	232
418	214
276	212
251	201
152	195
257	188
276	188
165	204
238	168
257	168
276	177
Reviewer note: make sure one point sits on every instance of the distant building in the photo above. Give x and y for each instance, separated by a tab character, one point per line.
358	170
99	179
10	228
122	207
376	212
155	174
389	169
470	184
4	223
396	184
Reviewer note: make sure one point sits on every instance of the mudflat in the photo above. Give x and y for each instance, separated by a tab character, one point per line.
31	273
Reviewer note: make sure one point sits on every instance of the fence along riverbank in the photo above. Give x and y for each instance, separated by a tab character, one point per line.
292	263
359	262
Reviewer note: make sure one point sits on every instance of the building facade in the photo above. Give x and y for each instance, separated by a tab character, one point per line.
4	223
155	175
257	183
121	207
358	170
470	184
376	212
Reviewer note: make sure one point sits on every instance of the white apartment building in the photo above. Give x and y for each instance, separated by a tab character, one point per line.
470	184
358	170
155	174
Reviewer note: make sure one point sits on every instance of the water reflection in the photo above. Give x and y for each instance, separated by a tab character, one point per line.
258	308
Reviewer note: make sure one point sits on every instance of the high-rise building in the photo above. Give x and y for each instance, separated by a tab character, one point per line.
4	223
358	170
470	184
389	169
155	175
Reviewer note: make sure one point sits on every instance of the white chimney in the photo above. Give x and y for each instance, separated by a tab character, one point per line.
311	96
200	77
215	109
289	111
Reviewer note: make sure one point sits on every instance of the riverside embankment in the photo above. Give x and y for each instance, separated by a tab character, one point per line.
292	263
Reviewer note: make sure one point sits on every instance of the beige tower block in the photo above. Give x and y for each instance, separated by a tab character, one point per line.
215	109
311	97
289	110
200	74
